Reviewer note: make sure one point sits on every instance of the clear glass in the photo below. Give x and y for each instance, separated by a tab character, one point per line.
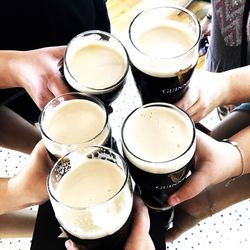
102	63
100	213
158	142
163	50
77	114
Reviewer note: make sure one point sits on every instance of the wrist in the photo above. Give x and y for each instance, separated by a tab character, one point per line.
242	162
19	193
199	207
225	91
9	67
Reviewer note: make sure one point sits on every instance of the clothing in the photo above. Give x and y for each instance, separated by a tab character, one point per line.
225	49
28	24
224	52
31	24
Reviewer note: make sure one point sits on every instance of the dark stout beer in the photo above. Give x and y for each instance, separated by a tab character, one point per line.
74	120
115	241
91	194
96	63
158	143
163	51
155	89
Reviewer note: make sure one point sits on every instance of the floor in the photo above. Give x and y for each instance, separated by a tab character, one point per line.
226	230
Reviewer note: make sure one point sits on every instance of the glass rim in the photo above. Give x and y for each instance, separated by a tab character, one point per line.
158	104
181	9
52	193
97	90
89	98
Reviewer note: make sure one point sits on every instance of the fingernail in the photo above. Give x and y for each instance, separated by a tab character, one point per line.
68	243
174	200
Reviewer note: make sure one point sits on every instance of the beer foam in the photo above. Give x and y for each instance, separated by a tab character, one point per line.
96	65
74	122
163	49
158	139
84	190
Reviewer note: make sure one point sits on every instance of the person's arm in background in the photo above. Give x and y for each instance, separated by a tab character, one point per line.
28	187
16	132
215	162
209	90
35	70
209	202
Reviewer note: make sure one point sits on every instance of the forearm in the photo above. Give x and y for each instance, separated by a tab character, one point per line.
218	197
12	196
222	196
242	138
17	133
8	76
237	88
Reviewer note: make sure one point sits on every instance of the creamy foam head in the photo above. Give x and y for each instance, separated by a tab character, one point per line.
162	49
84	190
94	65
74	122
158	139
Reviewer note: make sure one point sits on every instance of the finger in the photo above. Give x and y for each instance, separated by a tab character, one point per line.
70	245
44	98
139	238
57	86
141	216
195	184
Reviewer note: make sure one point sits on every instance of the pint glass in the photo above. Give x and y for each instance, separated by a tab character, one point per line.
96	63
74	120
158	142
163	50
91	194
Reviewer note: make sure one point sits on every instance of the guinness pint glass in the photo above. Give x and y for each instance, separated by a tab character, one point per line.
96	63
163	50
158	141
74	120
91	194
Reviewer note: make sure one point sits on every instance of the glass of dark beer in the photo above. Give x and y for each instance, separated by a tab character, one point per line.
91	194
74	120
163	50
96	63
158	142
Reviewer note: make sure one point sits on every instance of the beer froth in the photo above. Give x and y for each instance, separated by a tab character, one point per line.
94	65
158	135
75	122
86	187
168	48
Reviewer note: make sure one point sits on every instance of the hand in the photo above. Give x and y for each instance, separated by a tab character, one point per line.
188	214
206	92
214	162
38	72
139	238
31	181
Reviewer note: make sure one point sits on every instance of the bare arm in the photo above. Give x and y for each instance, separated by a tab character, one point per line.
209	90
212	200
29	186
35	70
215	162
17	133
